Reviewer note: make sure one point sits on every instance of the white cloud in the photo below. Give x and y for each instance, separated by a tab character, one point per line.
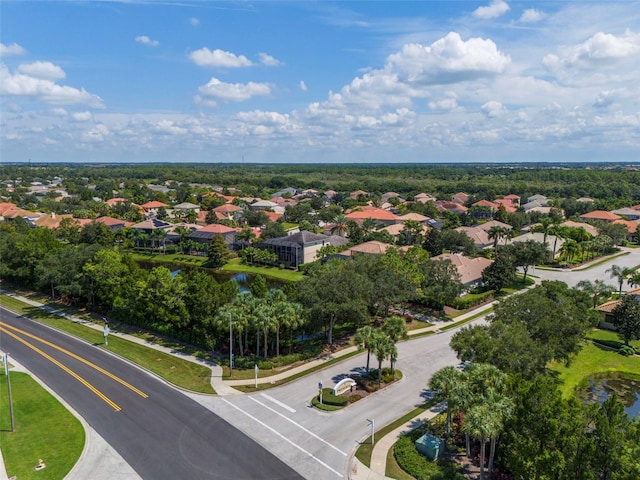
13	49
46	70
218	58
448	60
264	118
268	60
493	109
170	128
19	84
531	15
59	112
232	92
194	21
81	116
302	86
147	41
446	104
493	10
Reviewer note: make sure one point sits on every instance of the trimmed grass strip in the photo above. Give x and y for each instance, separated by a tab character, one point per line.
182	373
44	429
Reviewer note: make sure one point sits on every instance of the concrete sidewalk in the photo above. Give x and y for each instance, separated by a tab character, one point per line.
382	446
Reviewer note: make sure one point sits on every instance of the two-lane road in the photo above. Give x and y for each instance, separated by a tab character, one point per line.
160	432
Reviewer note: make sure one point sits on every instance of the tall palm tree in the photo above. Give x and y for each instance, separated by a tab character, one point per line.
496	233
382	348
634	279
557	231
445	382
501	406
595	289
480	422
340	225
621	273
365	337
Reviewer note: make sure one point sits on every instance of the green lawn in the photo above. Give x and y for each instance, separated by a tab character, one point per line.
593	359
182	373
609	338
44	429
282	274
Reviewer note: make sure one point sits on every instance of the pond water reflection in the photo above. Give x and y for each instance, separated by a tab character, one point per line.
602	385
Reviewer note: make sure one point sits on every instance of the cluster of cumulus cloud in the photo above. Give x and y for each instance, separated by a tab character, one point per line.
455	90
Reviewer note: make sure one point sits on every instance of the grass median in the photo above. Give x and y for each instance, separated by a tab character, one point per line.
182	373
56	437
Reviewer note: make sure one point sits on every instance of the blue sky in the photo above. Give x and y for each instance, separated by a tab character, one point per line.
319	82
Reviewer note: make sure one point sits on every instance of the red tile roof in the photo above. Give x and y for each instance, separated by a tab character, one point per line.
153	204
632	227
373	213
216	228
601	215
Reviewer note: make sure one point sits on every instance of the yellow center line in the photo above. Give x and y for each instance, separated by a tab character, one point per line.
73	355
66	369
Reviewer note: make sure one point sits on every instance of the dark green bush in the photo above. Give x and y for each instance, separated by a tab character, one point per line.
330	399
626	350
471	300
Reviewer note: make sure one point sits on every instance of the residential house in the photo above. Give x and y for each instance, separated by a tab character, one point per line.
115	201
184	207
632	227
552	241
424	198
151	208
228	211
284	202
590	229
380	216
372	247
460	198
302	247
494	223
469	269
151	224
629	213
206	234
50	220
285	191
266	205
386	197
601	216
484	209
416	217
607	308
540	199
479	236
453	207
355	195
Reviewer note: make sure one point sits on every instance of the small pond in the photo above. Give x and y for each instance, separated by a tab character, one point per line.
244	279
602	385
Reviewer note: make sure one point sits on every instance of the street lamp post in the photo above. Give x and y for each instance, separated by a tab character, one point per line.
372	422
320	390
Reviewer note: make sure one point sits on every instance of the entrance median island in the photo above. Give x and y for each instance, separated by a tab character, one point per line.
350	390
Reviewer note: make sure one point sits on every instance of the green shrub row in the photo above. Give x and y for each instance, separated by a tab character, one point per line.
412	461
471	300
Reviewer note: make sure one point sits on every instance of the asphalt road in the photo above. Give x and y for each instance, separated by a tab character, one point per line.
160	432
318	443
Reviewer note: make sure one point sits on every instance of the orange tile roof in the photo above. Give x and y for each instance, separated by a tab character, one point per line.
373	213
114	201
227	198
153	204
273	216
216	228
601	215
632	227
6	206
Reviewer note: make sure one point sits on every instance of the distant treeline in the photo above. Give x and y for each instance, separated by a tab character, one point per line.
620	185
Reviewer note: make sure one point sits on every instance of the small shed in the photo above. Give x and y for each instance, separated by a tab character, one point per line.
430	446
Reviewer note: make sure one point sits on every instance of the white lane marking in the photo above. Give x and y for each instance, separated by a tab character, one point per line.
299	426
278	402
282	437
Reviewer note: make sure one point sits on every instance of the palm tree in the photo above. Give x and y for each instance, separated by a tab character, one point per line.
340	225
569	250
445	382
368	225
383	348
621	273
365	337
247	234
596	289
501	406
480	423
634	279
558	232
496	233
